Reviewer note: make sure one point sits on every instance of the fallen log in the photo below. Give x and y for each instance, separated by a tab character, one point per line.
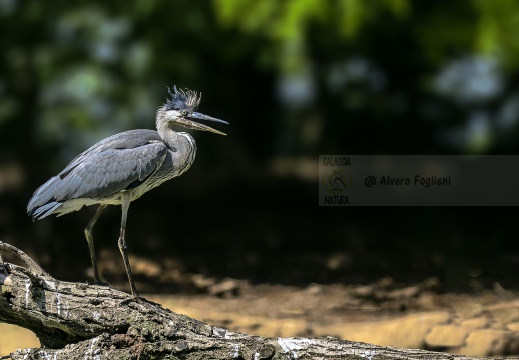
82	321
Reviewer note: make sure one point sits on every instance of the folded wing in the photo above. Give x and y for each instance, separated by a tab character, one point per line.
121	162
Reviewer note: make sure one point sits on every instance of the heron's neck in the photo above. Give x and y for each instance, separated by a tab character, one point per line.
174	140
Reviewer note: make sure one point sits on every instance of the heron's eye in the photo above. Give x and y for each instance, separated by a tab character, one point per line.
184	112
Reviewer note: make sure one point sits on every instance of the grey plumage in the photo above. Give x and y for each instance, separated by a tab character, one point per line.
187	100
119	163
122	167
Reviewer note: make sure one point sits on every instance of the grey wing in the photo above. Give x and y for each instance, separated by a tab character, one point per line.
106	173
119	162
126	140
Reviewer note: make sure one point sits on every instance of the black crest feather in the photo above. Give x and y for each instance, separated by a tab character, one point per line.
182	99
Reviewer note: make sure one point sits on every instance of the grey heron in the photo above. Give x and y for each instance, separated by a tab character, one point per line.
122	167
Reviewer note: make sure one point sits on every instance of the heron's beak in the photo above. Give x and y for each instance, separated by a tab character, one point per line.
188	122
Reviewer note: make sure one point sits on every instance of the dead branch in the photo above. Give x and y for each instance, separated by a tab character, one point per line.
80	321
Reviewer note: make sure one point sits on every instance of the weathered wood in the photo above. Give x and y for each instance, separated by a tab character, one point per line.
80	321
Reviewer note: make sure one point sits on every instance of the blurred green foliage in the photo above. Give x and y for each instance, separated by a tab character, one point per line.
85	70
285	24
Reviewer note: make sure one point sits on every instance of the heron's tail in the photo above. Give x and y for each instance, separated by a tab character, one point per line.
43	203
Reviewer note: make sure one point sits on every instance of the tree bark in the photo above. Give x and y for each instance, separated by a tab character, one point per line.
80	321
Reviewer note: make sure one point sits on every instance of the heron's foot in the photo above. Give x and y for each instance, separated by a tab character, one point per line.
136	299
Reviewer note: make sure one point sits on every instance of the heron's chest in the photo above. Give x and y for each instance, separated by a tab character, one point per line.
175	164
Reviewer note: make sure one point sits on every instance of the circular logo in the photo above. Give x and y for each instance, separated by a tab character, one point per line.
337	181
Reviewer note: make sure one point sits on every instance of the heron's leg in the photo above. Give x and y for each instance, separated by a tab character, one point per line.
125	204
90	241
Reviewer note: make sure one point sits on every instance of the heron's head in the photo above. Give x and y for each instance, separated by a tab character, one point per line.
181	108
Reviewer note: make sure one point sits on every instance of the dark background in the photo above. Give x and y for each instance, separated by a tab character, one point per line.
295	79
